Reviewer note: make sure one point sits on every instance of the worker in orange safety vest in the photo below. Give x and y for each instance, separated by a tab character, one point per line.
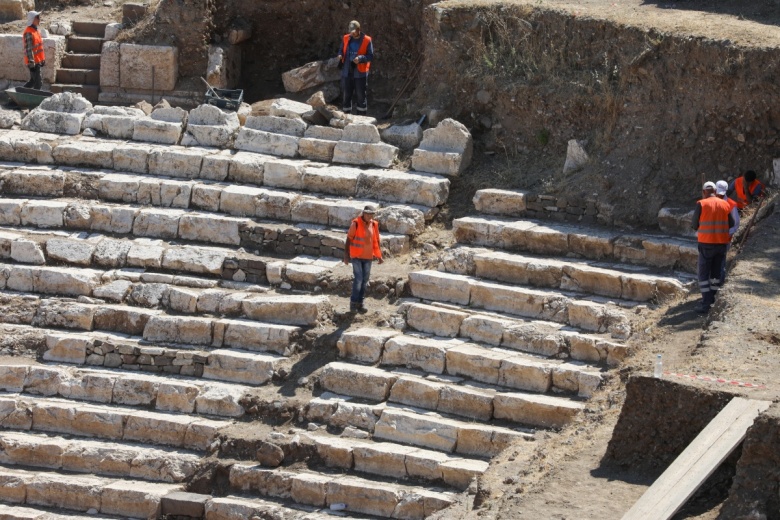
745	189
711	220
355	56
362	248
34	57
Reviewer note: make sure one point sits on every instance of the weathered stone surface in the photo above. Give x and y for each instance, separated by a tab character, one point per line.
210	228
405	137
423	353
475	362
239	366
177	161
219	399
109	64
402	220
159	223
310	75
363	496
27	252
66	348
407	427
37	183
294	127
152	131
136	63
266	142
316	149
364	344
71	251
288	108
446	149
435	320
500	202
15	9
537	410
176	397
127	320
224	66
135	499
69	492
376	154
209	126
358	381
288	310
61	113
416	391
361	133
174	329
259	337
116	122
576	156
444	163
433	285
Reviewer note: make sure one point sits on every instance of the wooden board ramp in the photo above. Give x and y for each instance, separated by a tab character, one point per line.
699	460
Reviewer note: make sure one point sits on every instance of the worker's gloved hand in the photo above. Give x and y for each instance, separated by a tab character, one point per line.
43	63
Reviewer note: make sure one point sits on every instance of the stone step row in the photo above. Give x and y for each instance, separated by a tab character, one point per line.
613	281
127	498
520	301
459	358
564	239
118	286
533	336
241	508
235	365
401	424
113	423
226	166
396	461
17	512
358	495
165	394
440	395
195	226
112	459
100	251
234	199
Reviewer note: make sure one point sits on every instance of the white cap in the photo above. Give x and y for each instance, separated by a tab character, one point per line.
709	185
31	17
721	187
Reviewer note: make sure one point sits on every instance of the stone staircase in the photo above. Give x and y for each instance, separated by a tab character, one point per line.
80	71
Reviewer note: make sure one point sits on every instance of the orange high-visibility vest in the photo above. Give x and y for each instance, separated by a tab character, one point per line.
739	191
714	221
361	67
359	245
37	47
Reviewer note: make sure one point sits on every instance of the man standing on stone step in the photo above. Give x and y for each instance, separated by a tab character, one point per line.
711	220
362	247
34	57
355	57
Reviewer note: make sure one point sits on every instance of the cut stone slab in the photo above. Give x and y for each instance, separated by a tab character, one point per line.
376	154
500	202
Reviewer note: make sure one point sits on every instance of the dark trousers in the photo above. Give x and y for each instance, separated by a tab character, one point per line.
361	269
36	81
354	87
711	259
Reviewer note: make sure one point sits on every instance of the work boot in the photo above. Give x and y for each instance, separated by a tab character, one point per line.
353	307
702	308
362	309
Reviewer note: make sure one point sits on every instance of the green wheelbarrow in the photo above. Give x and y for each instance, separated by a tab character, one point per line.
27	97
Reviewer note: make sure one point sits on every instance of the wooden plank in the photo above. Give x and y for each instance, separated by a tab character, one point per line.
699	460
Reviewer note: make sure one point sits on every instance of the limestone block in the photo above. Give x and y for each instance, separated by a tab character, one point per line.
364	344
43	213
269	482
127	320
116	122
402	220
305	274
211	228
206	197
239	366
215	167
26	147
12	376
135	499
201	433
65	491
86	386
288	108
177	162
460	473
433	285
109	64
484	329
288	310
595	280
333	180
404	427
161	223
152	131
174	329
358	381
194	259
131	157
156	428
10	211
219	399
176	397
576	156
120	187
13	486
207	125
325	133
405	187
72	251
224	66
384	459
67	348
422	353
316	149
310	488
536	410
309	76
406	137
61	280
363	416
544	341
247	167
40	120
500	202
27	252
525	374
15	9
135	390
466	401
145	253
232	508
15	415
509	299
31	451
136	63
342	213
361	133
259	337
476	362
362	496
417	392
266	142
284	173
376	154
294	127
36	183
9	118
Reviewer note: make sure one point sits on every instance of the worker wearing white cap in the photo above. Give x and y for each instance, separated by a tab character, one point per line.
711	220
34	57
721	188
